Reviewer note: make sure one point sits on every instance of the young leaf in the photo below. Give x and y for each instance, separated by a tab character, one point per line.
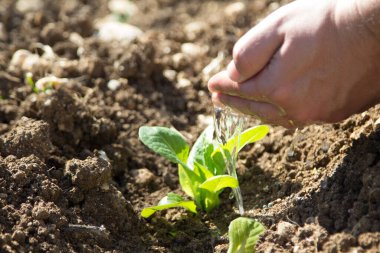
166	142
250	135
200	146
218	160
188	180
209	200
169	201
217	183
243	234
202	172
208	161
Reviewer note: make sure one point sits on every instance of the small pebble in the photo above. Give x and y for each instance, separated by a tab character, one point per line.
194	29
193	50
234	9
117	31
285	229
180	60
170	74
28	6
182	81
123	7
143	176
113	84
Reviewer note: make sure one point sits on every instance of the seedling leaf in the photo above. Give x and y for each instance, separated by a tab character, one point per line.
210	200
188	180
218	159
169	201
200	146
166	142
243	234
202	171
217	183
250	135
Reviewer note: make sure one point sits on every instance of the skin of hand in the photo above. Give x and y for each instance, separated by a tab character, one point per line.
307	62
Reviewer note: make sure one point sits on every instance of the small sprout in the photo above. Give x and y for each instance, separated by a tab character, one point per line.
29	81
173	233
243	234
202	170
44	84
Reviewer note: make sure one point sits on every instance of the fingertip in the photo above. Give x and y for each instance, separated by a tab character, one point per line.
215	98
213	82
218	81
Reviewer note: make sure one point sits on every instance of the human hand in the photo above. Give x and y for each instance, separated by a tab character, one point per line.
308	62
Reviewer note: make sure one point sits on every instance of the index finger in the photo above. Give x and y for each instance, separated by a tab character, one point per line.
255	49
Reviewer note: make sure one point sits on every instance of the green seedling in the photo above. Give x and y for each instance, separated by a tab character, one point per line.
29	81
44	84
243	234
201	170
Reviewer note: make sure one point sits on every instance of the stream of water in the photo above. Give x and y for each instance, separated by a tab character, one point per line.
228	124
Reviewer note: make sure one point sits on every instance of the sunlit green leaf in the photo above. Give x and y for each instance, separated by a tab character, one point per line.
166	142
250	135
210	201
170	201
202	171
243	234
217	183
199	148
188	180
219	163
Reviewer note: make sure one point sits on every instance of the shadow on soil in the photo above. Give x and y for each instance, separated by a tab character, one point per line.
348	200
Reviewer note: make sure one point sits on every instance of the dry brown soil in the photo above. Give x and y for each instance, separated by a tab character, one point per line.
74	176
